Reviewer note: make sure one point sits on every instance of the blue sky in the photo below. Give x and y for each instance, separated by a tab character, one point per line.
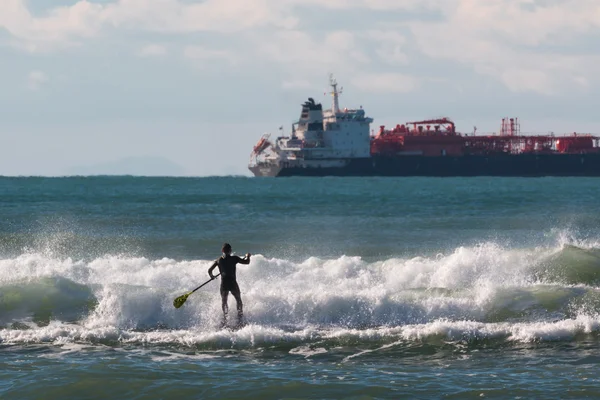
87	85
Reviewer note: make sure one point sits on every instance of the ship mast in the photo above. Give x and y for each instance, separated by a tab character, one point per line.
335	93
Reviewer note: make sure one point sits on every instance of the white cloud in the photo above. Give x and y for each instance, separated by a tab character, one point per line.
56	29
209	15
524	80
296	84
380	5
202	54
152	50
62	26
385	83
502	39
516	42
36	79
302	54
390	45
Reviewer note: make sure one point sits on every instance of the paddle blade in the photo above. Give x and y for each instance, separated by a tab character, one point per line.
178	302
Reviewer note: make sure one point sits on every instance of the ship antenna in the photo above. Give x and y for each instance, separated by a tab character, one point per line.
335	93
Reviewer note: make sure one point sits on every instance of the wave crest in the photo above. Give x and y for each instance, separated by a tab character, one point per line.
472	292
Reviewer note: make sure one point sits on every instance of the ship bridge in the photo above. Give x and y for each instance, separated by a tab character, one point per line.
319	136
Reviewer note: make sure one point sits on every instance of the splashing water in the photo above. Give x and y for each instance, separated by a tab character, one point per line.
472	293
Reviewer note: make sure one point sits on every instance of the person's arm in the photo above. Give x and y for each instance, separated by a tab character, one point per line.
212	267
245	260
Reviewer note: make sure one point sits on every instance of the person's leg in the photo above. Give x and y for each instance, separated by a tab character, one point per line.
224	306
238	299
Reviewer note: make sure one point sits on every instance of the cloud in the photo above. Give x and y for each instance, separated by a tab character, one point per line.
36	79
526	45
209	15
54	30
386	83
378	5
517	42
152	50
296	84
203	54
63	26
390	46
302	54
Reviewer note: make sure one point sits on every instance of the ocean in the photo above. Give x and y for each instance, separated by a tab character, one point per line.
358	288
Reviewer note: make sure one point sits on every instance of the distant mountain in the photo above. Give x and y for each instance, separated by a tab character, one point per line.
141	166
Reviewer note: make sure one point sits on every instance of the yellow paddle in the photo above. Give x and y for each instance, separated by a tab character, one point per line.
178	302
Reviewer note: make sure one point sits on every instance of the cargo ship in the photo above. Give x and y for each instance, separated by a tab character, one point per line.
339	142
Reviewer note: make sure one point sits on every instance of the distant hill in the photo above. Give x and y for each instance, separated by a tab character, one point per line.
141	166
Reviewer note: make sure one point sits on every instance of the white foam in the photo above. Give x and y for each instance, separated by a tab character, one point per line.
446	296
307	351
254	335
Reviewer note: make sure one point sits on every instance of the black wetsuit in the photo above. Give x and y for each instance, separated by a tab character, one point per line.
227	268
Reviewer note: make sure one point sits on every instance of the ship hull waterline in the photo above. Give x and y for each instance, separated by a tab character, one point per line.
520	165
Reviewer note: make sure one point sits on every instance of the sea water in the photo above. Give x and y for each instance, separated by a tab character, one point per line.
358	288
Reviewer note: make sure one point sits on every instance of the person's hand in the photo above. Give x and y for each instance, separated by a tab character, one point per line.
211	276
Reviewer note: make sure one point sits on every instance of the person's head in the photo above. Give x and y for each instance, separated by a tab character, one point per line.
226	249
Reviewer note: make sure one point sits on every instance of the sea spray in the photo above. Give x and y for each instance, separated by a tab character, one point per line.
485	291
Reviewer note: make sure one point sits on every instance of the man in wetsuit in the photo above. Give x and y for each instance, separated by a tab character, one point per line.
226	264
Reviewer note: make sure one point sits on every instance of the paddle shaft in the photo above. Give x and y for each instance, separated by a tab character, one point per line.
208	281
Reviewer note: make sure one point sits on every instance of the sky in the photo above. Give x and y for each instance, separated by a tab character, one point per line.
182	87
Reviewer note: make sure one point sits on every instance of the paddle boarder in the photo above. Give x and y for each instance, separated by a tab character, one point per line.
227	265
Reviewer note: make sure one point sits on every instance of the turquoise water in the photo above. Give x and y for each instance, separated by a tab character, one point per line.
358	288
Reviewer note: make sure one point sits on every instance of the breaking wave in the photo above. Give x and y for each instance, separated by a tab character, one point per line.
472	294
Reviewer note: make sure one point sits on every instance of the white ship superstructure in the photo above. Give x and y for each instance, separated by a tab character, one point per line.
319	139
